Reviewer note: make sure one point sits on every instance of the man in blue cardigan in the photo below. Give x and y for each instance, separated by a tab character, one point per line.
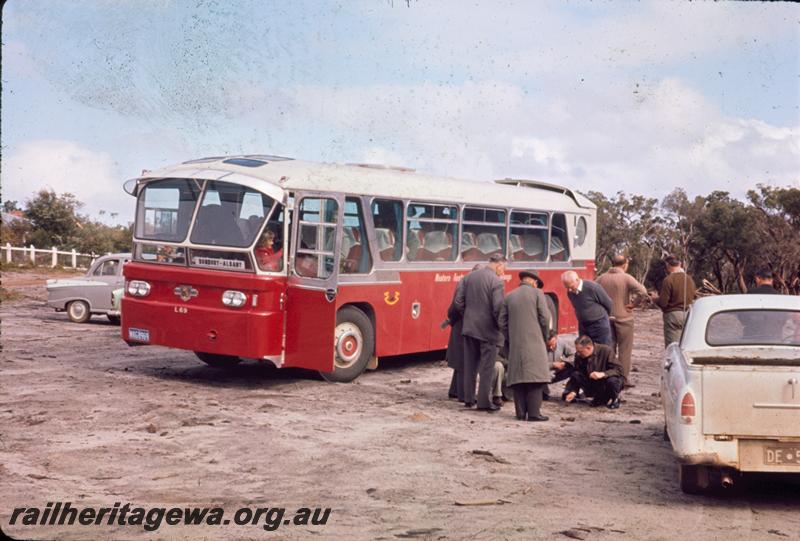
592	307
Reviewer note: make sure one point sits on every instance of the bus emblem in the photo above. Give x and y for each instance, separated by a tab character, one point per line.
185	292
390	299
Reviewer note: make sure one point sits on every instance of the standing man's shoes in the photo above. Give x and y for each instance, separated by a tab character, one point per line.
497	401
614	405
469	404
490	409
538	418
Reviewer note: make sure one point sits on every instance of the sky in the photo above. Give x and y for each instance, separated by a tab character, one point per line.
606	96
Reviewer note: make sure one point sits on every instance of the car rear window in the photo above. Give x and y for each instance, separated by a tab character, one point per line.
754	328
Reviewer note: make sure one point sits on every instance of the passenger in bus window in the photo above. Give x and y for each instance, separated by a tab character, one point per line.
269	258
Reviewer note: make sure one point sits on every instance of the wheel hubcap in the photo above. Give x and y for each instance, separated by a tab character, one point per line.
78	310
348	345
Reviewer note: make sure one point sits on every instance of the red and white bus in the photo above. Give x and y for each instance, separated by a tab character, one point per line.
330	267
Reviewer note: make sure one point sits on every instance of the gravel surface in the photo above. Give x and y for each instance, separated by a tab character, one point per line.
86	419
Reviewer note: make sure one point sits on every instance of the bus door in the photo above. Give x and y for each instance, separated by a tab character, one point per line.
313	279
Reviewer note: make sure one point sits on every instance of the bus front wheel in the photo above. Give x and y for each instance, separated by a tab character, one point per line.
217	361
354	342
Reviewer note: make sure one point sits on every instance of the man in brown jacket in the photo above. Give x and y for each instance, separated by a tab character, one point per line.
597	373
677	294
621	286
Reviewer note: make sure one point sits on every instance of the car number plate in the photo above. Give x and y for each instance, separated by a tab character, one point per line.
140	335
782	456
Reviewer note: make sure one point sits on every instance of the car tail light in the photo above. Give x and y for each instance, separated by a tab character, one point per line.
687	408
235	299
138	288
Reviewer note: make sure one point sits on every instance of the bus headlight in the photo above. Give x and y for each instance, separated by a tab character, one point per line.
235	299
138	288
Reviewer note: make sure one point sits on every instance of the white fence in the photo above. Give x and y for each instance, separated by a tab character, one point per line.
42	257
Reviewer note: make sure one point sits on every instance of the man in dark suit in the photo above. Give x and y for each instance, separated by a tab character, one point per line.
764	285
479	303
596	372
455	345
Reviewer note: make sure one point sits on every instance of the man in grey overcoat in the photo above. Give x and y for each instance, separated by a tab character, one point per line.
479	303
524	322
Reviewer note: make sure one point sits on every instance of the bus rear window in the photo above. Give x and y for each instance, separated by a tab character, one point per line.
164	209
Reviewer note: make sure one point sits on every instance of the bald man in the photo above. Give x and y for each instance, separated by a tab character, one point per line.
592	307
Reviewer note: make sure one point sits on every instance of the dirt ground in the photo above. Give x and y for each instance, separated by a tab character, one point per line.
86	419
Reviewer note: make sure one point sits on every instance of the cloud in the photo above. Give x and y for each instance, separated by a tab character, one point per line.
647	138
65	166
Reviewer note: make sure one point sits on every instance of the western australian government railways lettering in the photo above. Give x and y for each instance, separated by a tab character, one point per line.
270	518
457	276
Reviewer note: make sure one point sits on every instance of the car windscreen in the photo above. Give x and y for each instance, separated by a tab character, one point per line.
761	327
230	215
164	209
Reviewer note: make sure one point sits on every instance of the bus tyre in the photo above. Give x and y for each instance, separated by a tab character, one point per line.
692	478
218	361
354	343
78	311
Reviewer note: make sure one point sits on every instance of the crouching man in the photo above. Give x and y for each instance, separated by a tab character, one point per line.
597	373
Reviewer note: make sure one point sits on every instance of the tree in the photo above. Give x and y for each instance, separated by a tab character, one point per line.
778	225
631	225
53	218
10	206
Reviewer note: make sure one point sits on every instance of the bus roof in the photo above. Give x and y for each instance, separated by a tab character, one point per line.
360	179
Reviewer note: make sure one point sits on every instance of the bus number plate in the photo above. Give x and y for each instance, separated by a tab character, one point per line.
140	335
781	456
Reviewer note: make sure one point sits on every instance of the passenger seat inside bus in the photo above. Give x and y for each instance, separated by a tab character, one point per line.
469	247
414	244
351	251
527	247
436	246
385	242
489	244
217	225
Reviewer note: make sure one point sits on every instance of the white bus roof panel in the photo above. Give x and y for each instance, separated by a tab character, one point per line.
387	182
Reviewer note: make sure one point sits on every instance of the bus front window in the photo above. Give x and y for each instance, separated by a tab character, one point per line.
230	215
164	209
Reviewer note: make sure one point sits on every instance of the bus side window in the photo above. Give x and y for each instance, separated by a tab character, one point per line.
355	257
432	232
559	241
483	233
387	215
528	240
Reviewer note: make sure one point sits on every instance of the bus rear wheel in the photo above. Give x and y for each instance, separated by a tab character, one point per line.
217	361
354	343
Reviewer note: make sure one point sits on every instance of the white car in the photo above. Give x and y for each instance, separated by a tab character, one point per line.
90	294
730	389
